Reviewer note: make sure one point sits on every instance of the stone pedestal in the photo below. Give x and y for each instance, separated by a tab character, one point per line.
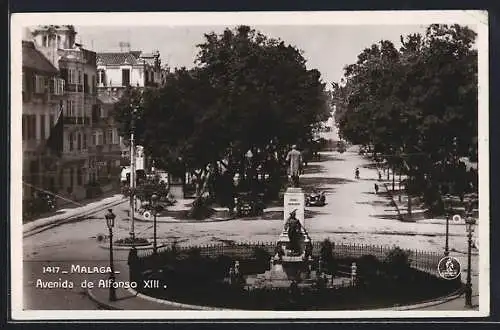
294	200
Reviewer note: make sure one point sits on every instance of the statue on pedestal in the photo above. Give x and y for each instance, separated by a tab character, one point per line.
294	229
294	157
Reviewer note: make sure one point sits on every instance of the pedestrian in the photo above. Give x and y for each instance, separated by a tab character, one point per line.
133	265
376	188
379	176
356	173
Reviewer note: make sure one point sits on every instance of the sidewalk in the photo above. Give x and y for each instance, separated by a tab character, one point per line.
66	215
125	299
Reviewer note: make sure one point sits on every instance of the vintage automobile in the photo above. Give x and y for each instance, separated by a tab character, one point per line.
315	198
248	205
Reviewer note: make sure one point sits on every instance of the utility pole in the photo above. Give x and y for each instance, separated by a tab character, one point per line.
132	177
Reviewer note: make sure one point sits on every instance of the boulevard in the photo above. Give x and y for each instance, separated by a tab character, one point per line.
353	214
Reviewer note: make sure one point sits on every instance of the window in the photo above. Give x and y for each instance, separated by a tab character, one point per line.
115	136
110	136
70	138
40	83
99	138
79	141
29	130
86	88
70	188
94	138
42	127
79	176
79	77
84	141
58	86
101	77
59	42
71	76
125	77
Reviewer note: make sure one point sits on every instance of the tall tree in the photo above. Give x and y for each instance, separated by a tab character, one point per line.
419	101
247	92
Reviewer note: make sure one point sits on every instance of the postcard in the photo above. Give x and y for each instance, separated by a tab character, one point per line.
249	165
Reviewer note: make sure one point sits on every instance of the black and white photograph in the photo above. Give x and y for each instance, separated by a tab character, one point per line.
259	165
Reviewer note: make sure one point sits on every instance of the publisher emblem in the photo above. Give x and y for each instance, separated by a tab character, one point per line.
449	268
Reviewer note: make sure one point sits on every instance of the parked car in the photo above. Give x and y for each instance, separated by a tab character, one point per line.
248	206
316	198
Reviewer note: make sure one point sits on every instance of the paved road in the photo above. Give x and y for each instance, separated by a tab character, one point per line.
353	214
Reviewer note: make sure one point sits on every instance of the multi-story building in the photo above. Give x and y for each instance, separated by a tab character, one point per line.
106	157
43	96
119	70
77	67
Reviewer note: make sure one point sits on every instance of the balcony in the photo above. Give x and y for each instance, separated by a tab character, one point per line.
106	149
75	88
76	120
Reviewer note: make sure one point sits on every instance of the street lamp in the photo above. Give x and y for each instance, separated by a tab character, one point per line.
132	174
154	200
469	222
110	222
447	215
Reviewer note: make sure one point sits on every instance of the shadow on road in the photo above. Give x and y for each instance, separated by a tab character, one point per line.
313	168
371	166
309	184
376	203
328	158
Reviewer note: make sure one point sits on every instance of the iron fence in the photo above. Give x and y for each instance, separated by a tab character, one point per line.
421	260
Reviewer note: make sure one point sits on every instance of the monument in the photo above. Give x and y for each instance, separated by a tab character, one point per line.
291	266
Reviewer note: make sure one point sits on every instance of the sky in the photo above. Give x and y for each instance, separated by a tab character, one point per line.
326	48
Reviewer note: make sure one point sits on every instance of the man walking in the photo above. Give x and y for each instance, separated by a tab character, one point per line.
294	157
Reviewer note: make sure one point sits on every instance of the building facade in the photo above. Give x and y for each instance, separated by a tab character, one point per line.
43	95
106	148
77	67
119	70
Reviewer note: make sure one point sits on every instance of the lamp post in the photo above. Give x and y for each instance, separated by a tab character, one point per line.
110	222
447	214
249	174
469	222
132	176
154	200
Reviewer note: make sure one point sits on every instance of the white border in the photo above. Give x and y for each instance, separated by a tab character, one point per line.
477	18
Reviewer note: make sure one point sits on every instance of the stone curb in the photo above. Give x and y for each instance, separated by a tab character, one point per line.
185	221
123	247
439	301
176	304
33	227
99	303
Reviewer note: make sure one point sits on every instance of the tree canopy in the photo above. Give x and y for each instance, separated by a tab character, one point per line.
246	92
416	104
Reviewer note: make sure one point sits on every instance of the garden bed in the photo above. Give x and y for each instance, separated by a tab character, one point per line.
198	278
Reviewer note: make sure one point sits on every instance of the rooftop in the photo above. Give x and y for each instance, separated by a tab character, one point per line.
118	58
35	60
